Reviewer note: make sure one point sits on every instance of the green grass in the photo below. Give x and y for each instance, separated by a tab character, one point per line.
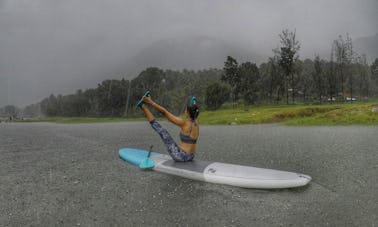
300	115
340	114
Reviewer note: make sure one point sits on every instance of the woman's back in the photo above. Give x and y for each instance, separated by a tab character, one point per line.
188	135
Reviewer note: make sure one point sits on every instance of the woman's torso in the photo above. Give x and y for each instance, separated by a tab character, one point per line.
191	130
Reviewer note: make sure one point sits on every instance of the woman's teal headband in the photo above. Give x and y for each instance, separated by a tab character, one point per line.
192	101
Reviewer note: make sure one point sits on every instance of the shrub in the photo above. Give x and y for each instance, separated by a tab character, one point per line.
216	95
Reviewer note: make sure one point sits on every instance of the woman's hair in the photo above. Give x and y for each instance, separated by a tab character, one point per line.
192	108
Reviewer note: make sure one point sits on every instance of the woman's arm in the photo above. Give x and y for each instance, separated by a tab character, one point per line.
172	118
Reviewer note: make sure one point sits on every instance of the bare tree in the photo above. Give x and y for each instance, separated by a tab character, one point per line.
342	51
288	55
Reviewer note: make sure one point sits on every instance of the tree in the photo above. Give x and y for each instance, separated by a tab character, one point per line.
374	70
76	105
91	96
149	79
49	106
288	54
331	80
318	78
361	71
216	95
33	110
249	77
111	96
232	77
272	79
343	52
10	111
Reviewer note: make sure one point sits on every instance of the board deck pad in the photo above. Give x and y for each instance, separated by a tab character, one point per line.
218	172
195	166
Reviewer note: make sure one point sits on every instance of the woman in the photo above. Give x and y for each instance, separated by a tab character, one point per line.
189	128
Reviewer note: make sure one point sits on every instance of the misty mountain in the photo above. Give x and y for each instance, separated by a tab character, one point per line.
368	46
203	52
192	53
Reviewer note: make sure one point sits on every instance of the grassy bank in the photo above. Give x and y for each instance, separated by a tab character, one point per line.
340	114
335	114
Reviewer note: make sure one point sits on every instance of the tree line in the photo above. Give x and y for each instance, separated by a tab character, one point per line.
118	98
284	78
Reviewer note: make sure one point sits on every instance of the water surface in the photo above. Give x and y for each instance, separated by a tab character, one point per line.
70	174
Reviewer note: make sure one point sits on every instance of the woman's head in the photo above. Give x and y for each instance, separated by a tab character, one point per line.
192	108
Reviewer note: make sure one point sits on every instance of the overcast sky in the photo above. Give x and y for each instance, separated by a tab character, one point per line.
52	46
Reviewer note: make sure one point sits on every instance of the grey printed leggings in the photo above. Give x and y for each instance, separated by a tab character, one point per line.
173	149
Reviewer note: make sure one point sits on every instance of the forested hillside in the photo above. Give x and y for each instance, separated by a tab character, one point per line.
316	81
283	79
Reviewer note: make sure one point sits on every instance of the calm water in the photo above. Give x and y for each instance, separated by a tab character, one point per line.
59	174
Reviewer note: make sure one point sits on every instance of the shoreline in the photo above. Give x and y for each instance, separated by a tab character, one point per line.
294	115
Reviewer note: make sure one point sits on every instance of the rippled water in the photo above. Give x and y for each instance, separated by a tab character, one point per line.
62	174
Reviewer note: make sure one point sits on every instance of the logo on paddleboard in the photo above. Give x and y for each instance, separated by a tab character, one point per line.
211	170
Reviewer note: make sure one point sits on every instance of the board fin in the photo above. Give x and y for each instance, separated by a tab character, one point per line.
147	163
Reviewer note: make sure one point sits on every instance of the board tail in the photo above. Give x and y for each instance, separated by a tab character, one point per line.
147	162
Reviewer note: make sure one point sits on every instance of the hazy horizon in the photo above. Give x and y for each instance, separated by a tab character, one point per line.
56	47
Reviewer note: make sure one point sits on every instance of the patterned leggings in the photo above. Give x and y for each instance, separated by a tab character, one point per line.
174	150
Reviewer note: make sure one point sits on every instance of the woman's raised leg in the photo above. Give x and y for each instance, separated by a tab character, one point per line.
150	117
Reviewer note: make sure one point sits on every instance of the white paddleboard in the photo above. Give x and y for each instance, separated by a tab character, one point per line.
217	172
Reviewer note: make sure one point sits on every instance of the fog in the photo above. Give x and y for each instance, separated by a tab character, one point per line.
52	46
